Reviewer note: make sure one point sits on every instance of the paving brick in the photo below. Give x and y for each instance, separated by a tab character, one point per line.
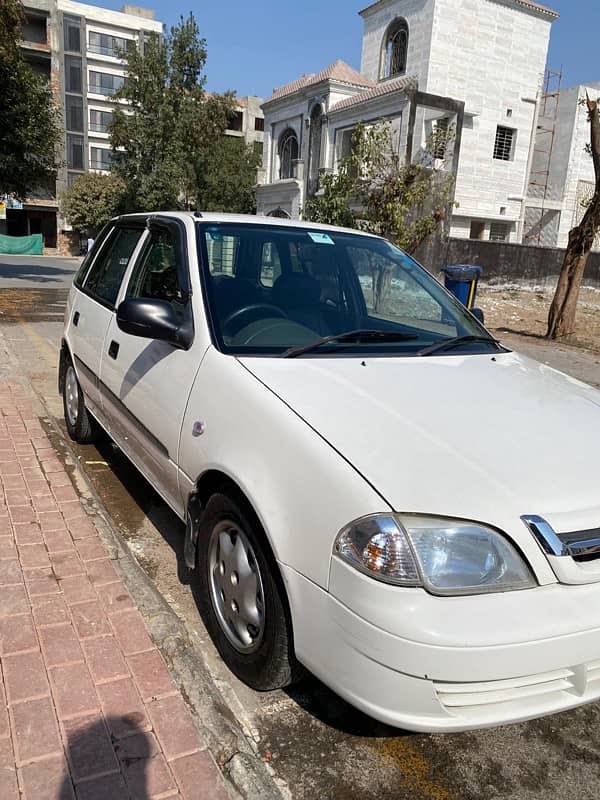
73	690
115	597
77	589
14	601
41	582
13	482
66	565
10	573
17	634
90	549
35	730
173	725
7	548
39	488
17	498
47	780
44	504
149	778
101	572
73	510
9	789
50	465
89	748
151	675
51	521
122	707
23	514
140	745
33	555
199	778
64	493
10	467
105	659
33	474
50	610
25	676
59	479
6	526
111	787
28	533
60	645
81	528
130	631
59	541
4	724
90	619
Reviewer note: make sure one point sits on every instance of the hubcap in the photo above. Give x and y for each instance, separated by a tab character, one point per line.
236	587
71	396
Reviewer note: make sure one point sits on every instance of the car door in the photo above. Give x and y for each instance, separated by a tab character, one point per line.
92	305
146	383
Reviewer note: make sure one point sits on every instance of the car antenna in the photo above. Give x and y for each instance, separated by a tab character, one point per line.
197	214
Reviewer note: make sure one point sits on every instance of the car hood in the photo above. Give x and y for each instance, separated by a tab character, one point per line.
481	436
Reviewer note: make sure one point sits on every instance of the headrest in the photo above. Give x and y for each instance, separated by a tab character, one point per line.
296	290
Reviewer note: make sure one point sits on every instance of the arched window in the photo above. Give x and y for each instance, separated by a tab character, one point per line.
395	49
288	153
314	150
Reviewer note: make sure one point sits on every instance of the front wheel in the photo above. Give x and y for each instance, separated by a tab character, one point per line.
81	426
241	597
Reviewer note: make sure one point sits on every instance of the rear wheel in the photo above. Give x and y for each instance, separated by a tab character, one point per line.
81	426
241	597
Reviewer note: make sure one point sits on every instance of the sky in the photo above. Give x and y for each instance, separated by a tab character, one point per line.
258	45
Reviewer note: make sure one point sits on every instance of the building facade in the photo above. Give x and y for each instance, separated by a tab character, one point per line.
562	175
248	121
79	49
488	55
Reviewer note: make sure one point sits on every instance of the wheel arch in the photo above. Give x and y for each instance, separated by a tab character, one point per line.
65	358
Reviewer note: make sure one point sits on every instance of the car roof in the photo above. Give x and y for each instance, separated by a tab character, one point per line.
247	219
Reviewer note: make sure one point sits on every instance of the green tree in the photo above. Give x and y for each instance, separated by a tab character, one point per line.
227	176
165	136
375	191
29	121
92	200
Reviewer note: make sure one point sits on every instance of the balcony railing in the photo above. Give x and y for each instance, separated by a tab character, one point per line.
98	127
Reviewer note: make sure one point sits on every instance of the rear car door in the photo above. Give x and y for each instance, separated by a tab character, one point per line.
146	383
92	305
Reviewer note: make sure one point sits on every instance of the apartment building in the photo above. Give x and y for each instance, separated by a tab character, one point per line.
79	49
487	55
248	121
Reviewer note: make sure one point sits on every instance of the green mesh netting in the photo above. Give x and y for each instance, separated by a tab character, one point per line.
22	245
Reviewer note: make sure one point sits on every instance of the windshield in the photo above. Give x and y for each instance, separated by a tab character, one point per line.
273	289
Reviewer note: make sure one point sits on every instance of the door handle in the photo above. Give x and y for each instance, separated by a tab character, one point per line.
113	349
76	318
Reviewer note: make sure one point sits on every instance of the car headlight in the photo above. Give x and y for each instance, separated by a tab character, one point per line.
444	556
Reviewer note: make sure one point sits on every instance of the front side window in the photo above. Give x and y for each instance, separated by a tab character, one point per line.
395	49
288	154
155	274
284	287
106	274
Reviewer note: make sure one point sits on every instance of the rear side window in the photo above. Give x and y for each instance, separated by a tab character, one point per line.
106	275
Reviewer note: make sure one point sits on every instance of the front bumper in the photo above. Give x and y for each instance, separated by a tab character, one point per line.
448	664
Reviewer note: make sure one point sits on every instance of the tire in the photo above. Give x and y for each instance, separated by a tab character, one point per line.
260	652
82	428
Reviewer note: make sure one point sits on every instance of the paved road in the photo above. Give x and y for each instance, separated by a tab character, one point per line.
33	272
319	746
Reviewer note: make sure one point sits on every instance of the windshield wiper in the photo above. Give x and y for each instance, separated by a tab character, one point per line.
448	344
365	335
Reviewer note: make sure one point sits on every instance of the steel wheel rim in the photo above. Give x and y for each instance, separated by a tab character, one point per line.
71	396
236	587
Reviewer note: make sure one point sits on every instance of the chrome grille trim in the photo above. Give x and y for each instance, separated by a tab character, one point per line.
577	545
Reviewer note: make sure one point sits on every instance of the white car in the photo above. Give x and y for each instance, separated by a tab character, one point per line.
374	488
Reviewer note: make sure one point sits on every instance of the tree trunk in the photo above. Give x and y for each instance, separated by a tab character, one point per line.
561	318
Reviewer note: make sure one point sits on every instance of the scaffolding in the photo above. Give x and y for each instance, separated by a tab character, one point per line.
539	183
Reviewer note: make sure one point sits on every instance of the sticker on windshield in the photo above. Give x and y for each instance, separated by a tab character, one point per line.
321	238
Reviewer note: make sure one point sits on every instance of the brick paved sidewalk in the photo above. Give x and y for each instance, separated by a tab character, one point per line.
87	706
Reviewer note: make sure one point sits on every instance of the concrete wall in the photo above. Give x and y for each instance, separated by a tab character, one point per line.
505	263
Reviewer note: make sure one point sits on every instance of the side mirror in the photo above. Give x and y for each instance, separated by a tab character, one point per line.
479	315
152	319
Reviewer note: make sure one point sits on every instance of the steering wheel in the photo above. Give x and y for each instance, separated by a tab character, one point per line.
250	312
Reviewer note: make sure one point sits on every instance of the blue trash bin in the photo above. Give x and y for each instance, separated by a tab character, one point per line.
462	281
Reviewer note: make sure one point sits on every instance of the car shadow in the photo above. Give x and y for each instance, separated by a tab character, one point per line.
37	272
